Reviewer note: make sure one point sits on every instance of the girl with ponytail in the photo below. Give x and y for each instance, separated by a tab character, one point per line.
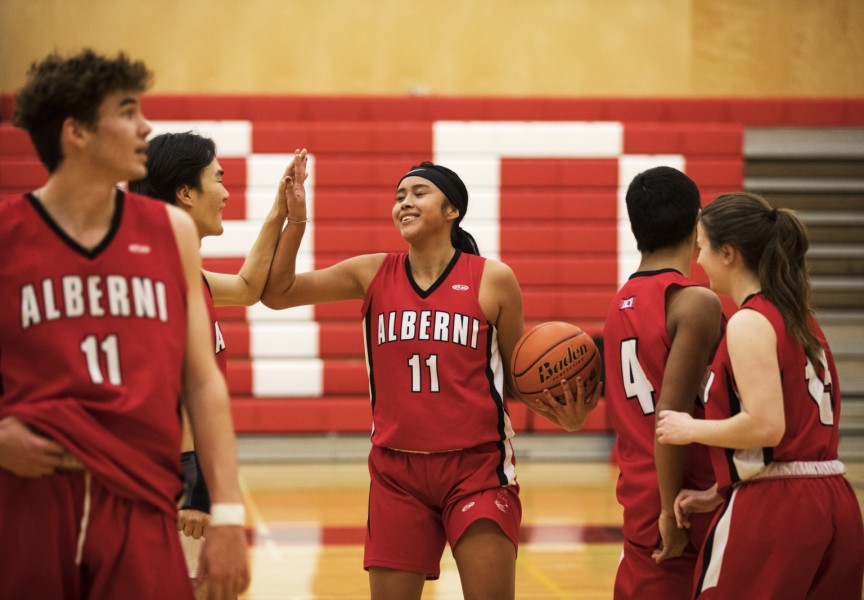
791	521
773	244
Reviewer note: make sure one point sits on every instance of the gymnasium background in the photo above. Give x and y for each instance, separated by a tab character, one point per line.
546	109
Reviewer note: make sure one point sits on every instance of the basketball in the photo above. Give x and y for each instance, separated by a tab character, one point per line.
551	352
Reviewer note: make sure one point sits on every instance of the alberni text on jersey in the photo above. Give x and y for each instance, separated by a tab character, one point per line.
437	325
74	296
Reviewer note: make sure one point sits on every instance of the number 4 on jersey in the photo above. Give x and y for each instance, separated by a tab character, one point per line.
820	391
636	384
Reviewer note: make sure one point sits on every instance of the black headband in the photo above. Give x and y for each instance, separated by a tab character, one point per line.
443	182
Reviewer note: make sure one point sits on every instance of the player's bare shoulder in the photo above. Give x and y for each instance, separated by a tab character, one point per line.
498	276
181	223
746	324
360	270
367	266
180	220
499	291
696	308
692	301
185	233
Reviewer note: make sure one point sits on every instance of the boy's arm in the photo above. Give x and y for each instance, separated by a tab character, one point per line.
205	394
693	321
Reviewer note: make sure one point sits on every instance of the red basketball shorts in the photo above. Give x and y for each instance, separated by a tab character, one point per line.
419	502
639	577
785	538
66	537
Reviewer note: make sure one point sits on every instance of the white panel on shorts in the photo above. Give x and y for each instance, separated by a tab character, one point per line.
718	547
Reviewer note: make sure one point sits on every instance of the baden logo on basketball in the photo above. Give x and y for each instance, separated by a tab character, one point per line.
564	366
550	352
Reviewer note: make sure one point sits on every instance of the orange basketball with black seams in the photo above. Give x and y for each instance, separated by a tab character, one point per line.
551	352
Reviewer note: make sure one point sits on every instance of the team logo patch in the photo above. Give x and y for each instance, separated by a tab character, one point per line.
468	506
460	287
501	502
627	303
139	248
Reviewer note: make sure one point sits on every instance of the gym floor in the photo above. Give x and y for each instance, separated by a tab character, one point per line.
307	511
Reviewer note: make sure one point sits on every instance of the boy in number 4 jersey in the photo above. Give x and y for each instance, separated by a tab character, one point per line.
660	333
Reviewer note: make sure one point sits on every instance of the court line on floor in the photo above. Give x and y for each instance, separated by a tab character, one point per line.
262	531
527	566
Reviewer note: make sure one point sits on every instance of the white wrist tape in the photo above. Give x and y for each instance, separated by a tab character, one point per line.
227	513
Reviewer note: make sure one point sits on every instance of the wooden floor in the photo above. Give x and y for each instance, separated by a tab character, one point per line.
308	519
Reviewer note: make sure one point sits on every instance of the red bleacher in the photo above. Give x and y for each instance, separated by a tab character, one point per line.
558	217
757	112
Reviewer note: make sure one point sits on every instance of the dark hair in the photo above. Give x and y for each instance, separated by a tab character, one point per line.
663	206
174	160
773	244
58	88
453	188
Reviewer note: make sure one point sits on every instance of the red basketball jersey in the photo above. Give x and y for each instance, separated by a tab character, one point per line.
436	377
218	339
811	403
636	346
92	342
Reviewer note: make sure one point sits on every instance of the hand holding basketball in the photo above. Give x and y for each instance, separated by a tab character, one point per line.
572	409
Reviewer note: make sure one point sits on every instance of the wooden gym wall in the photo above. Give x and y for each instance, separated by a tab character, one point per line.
561	48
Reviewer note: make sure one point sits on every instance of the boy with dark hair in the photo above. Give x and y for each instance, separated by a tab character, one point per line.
183	170
102	328
660	333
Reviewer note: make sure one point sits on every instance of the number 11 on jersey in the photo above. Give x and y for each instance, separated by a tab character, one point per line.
109	347
417	373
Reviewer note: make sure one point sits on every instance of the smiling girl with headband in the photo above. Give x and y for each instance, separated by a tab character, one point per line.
440	323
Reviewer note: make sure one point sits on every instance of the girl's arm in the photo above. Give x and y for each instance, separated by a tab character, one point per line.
284	287
761	423
245	288
501	300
